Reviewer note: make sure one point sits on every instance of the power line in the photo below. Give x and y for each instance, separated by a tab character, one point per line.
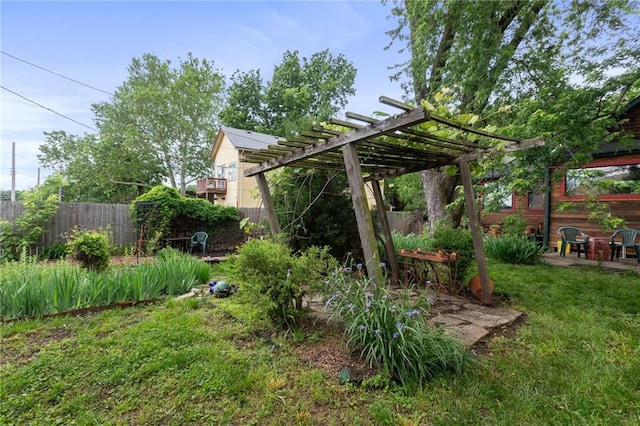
55	73
47	108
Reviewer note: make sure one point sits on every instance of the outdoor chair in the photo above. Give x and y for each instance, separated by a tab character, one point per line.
199	239
572	235
627	238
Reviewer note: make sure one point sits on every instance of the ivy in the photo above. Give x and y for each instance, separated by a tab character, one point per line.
170	205
40	207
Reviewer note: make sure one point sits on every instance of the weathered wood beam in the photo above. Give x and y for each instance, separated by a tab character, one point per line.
525	144
403	120
363	214
408	168
396	104
386	231
344	123
360	117
430	137
333	132
470	129
265	194
476	233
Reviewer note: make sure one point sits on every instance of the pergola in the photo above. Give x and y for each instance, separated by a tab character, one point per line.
379	149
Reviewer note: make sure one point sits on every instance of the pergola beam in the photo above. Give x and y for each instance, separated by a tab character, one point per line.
407	119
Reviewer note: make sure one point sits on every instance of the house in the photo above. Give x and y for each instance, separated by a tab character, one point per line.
229	186
613	187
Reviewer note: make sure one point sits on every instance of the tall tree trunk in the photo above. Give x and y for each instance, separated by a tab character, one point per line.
435	185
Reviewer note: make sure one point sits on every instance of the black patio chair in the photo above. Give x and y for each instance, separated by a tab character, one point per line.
627	239
572	235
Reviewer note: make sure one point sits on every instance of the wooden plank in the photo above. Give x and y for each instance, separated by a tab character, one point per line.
476	233
363	215
407	119
386	231
272	217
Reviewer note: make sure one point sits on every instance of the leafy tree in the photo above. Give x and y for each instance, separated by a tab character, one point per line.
96	170
316	209
314	206
164	118
526	54
300	89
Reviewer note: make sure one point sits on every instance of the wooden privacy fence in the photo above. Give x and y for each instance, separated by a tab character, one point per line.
116	218
86	216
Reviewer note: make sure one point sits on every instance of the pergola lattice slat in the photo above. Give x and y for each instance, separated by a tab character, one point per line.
384	148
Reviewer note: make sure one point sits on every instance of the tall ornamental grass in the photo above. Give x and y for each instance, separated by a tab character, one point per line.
29	289
515	249
392	334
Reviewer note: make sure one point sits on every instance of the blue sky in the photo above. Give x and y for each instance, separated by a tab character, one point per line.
94	42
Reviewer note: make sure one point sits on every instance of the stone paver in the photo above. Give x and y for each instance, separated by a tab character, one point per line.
468	321
480	318
468	333
446	320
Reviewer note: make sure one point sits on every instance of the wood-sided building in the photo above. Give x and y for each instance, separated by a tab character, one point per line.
611	181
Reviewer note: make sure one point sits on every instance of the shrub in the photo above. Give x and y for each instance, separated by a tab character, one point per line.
459	241
393	335
91	248
269	275
55	251
516	249
514	224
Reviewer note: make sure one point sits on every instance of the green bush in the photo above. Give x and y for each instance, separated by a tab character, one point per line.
271	276
514	224
91	248
459	241
511	248
392	335
169	208
55	251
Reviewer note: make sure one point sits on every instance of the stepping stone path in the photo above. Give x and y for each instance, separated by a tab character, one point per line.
463	318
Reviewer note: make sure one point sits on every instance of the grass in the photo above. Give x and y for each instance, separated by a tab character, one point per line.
205	361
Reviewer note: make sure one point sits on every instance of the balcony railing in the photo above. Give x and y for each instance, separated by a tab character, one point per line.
211	186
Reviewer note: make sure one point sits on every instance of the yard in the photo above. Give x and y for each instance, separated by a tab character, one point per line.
574	360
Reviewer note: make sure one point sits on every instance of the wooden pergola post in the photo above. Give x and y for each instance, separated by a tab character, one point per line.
272	217
476	234
386	230
363	214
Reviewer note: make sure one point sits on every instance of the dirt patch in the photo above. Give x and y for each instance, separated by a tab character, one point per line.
329	352
24	350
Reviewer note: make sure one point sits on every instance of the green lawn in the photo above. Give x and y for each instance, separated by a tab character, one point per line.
576	360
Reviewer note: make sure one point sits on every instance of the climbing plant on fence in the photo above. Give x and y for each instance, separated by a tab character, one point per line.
40	207
171	210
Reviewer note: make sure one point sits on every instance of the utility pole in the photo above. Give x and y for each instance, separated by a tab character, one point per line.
13	172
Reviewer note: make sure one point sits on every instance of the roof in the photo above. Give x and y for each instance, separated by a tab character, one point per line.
244	140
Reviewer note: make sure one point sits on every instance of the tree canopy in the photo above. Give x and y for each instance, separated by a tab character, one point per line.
158	127
300	90
560	68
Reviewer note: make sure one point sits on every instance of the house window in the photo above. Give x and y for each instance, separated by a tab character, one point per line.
535	197
496	197
604	180
233	171
220	171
